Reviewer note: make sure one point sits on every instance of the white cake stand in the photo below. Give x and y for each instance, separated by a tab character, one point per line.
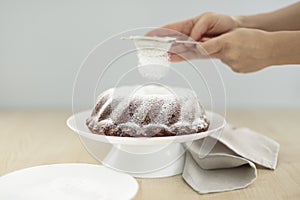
141	157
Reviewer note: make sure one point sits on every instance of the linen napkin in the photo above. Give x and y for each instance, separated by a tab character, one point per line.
226	161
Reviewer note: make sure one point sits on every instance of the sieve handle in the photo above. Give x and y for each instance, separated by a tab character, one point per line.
158	39
186	42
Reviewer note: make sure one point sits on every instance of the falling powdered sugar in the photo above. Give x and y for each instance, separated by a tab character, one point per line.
153	57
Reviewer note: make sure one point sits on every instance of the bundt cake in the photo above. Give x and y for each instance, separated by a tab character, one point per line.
148	111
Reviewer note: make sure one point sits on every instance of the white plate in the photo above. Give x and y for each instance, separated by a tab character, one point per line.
67	182
77	124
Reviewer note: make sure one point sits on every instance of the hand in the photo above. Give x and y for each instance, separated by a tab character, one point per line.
206	25
244	50
199	28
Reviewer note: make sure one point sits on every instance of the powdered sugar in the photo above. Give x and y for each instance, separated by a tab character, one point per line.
138	110
153	57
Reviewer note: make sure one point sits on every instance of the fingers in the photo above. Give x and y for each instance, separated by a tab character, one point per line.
175	58
202	25
184	26
186	54
183	56
174	29
199	28
162	32
211	47
204	39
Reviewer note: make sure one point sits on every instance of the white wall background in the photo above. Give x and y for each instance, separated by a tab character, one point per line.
42	44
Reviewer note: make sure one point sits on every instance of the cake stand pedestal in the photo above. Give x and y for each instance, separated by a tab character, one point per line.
138	161
141	157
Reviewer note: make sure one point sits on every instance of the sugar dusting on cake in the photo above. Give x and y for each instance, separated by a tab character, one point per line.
148	111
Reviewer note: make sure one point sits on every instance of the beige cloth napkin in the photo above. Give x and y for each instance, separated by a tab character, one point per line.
229	164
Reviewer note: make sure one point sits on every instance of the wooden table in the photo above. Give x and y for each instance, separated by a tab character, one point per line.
30	138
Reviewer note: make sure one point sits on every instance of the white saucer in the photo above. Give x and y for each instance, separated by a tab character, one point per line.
67	182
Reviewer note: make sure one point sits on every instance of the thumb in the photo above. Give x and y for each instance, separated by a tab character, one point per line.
211	46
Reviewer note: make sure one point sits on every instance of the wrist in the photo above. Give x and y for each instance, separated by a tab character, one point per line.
285	47
259	21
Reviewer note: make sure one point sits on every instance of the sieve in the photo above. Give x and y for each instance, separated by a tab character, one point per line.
159	39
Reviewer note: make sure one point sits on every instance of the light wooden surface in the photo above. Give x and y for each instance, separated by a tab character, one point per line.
30	138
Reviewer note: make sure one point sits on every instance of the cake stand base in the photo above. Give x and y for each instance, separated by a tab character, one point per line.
141	157
153	161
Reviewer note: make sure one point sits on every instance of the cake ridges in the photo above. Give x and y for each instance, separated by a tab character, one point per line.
127	112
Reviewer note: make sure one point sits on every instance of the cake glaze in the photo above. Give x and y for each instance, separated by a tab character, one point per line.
148	111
